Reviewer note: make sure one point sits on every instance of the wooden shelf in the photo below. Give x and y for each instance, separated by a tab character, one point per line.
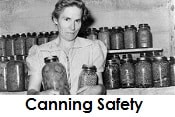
138	50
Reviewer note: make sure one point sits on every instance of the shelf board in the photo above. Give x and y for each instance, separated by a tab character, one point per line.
122	51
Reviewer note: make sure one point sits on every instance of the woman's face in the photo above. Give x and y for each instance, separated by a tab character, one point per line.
69	23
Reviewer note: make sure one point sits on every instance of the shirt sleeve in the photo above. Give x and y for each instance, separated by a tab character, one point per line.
32	60
99	55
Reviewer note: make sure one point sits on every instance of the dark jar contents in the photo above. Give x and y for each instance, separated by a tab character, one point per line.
144	36
111	75
92	34
43	37
130	34
3	73
160	67
143	73
2	45
20	44
172	71
30	41
88	76
55	76
104	36
10	45
117	39
15	74
127	79
53	35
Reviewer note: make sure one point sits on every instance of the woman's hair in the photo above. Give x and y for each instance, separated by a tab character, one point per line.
62	4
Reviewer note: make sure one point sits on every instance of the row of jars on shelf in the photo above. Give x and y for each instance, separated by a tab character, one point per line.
128	37
13	73
19	44
144	72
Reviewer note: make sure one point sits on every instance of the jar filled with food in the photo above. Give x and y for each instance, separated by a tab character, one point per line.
111	75
3	73
53	35
55	76
2	45
88	76
43	37
127	73
92	34
30	41
10	45
15	74
104	36
144	36
117	39
20	44
143	72
172	70
130	34
160	70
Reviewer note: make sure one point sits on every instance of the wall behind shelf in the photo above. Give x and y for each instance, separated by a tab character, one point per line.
35	15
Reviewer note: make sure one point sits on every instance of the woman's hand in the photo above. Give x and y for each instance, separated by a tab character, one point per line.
50	92
92	90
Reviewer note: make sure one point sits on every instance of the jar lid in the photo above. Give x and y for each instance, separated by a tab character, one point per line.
143	59
112	61
51	59
91	67
159	58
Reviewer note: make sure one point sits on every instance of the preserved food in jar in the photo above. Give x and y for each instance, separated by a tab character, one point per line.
2	45
3	73
43	38
88	76
15	76
117	39
130	37
172	70
104	36
30	41
53	35
160	67
92	34
10	45
111	75
144	36
54	76
143	72
127	79
20	44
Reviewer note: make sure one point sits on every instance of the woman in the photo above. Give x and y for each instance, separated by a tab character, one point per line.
71	50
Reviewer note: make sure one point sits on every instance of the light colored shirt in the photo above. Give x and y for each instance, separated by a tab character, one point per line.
84	51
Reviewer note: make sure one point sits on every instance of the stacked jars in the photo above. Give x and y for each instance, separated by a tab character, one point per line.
160	68
130	35
117	38
144	36
143	72
104	36
127	75
15	74
30	41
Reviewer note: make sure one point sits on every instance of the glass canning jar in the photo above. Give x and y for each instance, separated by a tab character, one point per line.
20	44
55	76
160	67
88	76
130	37
92	34
2	45
30	41
144	36
111	75
43	37
15	74
172	70
127	72
53	35
3	73
10	43
104	36
143	72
